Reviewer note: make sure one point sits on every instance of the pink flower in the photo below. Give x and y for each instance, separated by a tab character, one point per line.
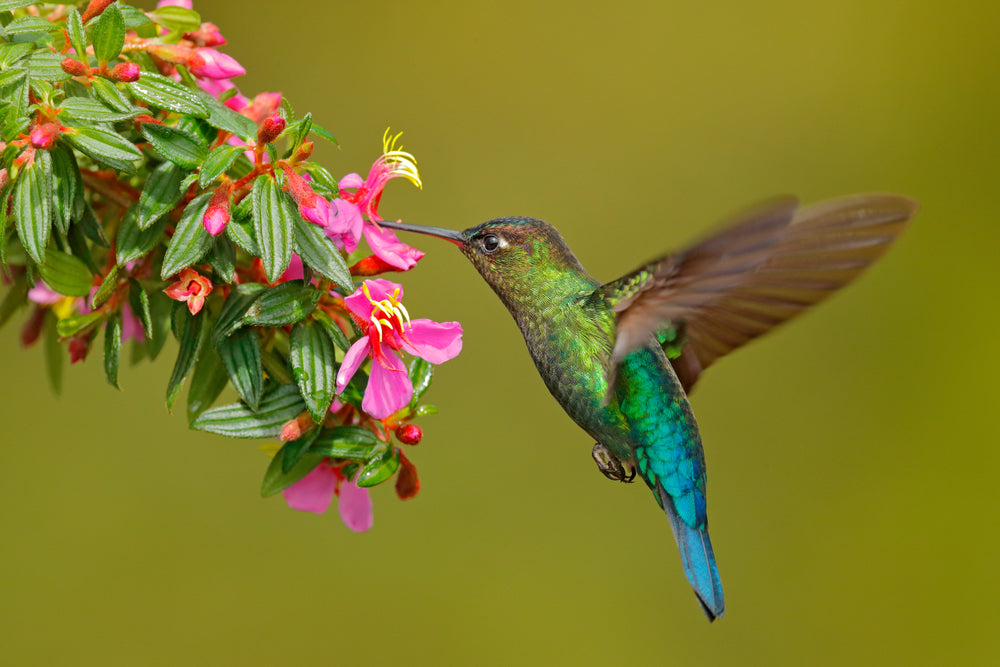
131	326
315	491
387	246
209	63
393	163
184	4
345	224
376	309
192	288
312	207
44	295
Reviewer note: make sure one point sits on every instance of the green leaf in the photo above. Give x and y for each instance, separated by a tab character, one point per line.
276	366
13	300
74	26
107	34
33	205
70	326
276	479
240	353
8	5
176	19
191	339
136	20
66	185
54	353
27	25
313	367
133	242
240	230
66	274
191	240
163	93
222	257
10	76
273	213
294	449
207	382
160	308
112	349
346	442
421	372
382	466
276	408
287	303
138	300
335	333
161	193
319	253
87	108
90	226
108	148
106	289
218	161
110	94
47	66
179	147
10	53
237	303
321	131
224	118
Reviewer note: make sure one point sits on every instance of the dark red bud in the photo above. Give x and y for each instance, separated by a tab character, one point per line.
32	329
125	72
407	482
78	348
74	67
94	9
410	434
270	129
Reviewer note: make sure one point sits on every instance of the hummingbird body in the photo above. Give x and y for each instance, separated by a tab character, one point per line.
598	346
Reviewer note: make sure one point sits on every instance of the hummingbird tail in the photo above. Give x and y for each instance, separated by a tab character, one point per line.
698	561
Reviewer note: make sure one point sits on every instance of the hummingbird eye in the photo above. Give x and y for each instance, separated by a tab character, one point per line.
491	243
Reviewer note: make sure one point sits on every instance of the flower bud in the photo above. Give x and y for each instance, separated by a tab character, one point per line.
94	9
44	135
410	434
78	347
407	482
303	152
293	429
312	207
32	329
207	35
125	72
217	215
212	64
74	67
270	129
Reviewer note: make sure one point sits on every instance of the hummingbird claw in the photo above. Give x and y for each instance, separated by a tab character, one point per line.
611	466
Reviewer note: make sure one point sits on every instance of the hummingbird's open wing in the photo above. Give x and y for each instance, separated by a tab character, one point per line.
768	266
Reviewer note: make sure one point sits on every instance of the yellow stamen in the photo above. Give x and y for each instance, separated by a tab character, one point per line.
401	163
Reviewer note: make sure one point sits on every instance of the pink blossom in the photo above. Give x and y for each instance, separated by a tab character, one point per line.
215	220
345	224
315	491
192	288
212	64
184	4
44	295
312	207
387	246
131	326
294	270
376	309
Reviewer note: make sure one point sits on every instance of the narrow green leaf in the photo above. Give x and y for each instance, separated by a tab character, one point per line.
335	333
110	94
71	326
74	26
66	274
240	353
47	66
222	257
105	147
160	194
276	408
287	303
160	308
313	367
217	162
112	349
276	366
133	242
106	289
191	340
176	19
424	410
273	213
346	442
27	25
321	131
15	298
88	108
138	21
107	34
54	354
191	240
12	75
240	230
237	303
382	466
207	382
179	147
295	449
163	93
12	52
421	372
138	300
89	224
66	185
277	480
224	118
8	5
76	240
319	253
33	205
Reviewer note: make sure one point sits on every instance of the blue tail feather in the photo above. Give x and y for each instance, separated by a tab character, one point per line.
698	560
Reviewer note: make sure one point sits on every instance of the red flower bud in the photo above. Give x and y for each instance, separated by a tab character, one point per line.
74	67
32	329
294	429
270	129
410	434
43	136
303	152
217	215
94	9
407	482
78	347
207	35
125	72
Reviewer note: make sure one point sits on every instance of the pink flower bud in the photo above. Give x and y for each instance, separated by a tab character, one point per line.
207	35
217	216
293	430
125	72
74	67
94	9
262	106
270	129
410	434
214	65
78	347
43	136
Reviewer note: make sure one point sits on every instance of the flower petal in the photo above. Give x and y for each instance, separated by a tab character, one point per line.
355	506
388	390
345	224
351	181
313	492
294	270
387	246
436	342
352	361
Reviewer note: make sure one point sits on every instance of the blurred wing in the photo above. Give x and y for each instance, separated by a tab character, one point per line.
770	265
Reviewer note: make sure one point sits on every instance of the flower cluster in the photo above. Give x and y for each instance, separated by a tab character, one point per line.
149	196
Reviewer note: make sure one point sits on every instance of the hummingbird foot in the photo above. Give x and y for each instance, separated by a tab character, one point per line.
611	465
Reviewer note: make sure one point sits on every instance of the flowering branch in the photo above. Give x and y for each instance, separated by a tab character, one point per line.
142	194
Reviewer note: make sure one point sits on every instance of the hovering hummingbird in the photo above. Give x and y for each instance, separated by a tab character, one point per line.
621	357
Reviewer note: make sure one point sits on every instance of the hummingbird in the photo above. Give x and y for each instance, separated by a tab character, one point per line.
621	357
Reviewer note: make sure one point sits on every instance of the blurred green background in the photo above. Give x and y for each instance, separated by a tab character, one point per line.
853	455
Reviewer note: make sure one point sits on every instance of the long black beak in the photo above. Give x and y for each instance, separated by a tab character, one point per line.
440	232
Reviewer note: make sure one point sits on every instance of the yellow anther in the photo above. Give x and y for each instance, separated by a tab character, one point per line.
377	326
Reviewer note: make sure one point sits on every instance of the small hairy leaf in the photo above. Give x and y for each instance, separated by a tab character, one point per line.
313	367
175	145
161	193
273	213
319	253
191	339
107	33
190	241
112	349
164	93
66	274
276	408
287	303
240	353
217	162
207	382
105	147
33	205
